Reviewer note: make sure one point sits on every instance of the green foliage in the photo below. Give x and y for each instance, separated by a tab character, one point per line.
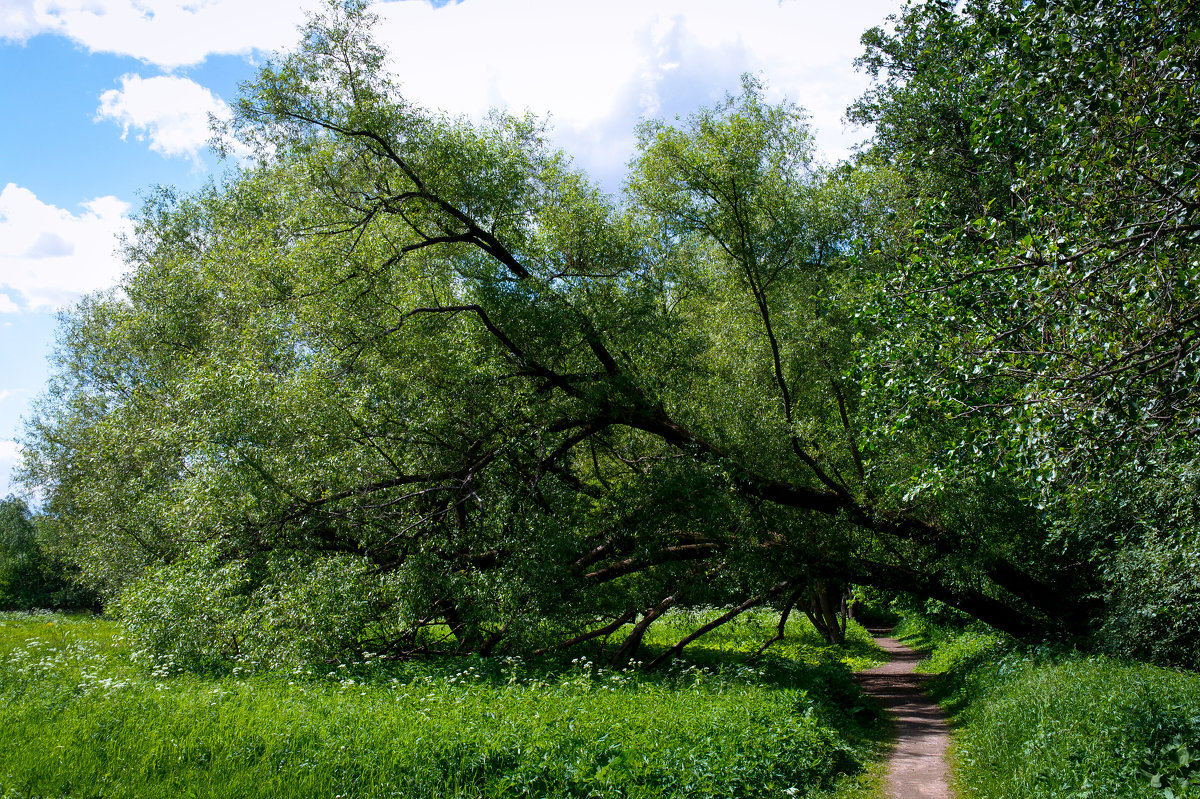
426	359
1048	303
20	557
1152	581
93	723
30	575
199	614
1040	306
1176	771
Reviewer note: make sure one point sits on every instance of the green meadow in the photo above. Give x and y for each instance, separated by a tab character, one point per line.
84	715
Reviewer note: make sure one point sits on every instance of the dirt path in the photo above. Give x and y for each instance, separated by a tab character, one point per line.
917	768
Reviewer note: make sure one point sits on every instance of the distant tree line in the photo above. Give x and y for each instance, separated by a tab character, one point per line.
31	576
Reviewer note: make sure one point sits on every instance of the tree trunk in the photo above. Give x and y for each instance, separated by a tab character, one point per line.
629	646
827	609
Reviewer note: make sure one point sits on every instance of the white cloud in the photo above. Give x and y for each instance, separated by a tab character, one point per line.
599	67
169	33
7	306
18	19
580	59
49	256
171	111
596	66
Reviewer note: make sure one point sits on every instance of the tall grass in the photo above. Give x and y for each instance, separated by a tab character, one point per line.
81	719
1044	723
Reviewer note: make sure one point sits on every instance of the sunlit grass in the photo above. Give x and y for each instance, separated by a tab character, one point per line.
1082	726
84	719
749	631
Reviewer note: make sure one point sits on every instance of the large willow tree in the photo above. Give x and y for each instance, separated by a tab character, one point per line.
406	375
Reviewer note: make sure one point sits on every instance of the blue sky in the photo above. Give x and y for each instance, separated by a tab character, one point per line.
104	99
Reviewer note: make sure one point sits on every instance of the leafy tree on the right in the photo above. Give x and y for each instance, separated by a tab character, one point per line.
1045	311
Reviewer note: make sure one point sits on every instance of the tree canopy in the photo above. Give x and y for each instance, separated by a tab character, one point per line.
411	384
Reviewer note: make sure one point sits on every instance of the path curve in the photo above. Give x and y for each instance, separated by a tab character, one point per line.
917	768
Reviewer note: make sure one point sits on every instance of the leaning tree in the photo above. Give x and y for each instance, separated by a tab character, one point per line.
409	384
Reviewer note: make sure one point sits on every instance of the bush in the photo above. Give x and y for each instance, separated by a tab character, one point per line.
1154	594
201	614
1142	539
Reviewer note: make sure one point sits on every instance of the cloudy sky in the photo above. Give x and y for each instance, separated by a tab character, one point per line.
102	99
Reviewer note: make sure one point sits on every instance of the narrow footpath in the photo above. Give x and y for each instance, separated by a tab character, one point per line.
917	768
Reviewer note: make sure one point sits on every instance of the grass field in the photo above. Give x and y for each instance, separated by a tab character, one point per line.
1046	723
81	718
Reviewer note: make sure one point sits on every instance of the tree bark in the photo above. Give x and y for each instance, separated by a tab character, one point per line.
631	644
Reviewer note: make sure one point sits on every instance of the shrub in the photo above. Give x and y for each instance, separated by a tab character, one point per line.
202	614
1143	539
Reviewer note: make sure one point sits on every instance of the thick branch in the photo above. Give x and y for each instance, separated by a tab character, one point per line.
631	644
827	502
668	555
606	630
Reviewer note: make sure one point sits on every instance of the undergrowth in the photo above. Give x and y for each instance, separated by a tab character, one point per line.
1044	722
83	718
